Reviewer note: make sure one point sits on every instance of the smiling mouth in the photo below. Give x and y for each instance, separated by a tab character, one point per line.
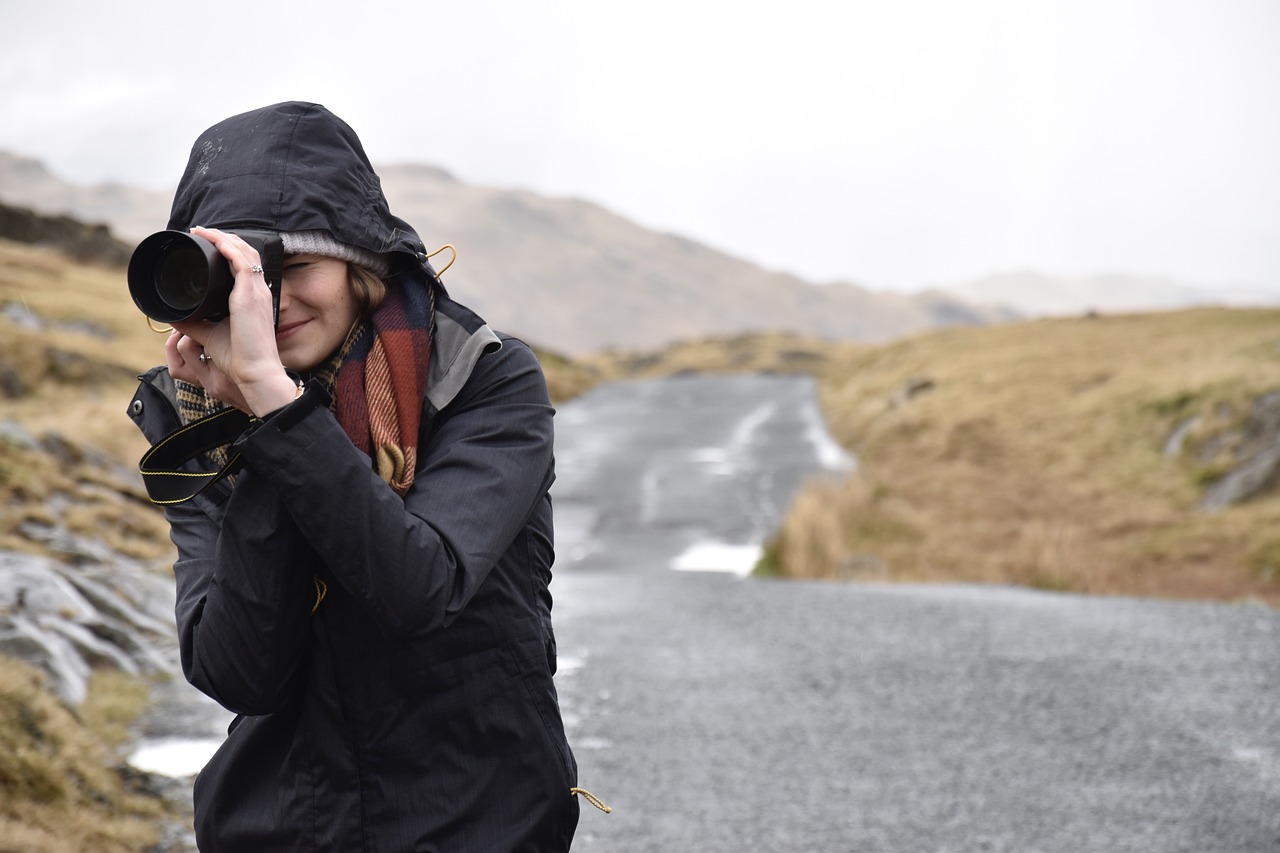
286	331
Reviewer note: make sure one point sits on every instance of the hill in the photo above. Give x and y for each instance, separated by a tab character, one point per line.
1132	455
1124	455
564	274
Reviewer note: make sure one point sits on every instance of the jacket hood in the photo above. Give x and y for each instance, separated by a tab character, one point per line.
292	166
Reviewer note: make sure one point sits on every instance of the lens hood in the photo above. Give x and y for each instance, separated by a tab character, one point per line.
176	276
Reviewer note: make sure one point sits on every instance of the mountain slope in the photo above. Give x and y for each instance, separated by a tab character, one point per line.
564	273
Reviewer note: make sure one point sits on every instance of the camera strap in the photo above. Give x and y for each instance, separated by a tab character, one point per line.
161	466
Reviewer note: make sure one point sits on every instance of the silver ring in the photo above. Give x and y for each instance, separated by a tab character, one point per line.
204	358
256	268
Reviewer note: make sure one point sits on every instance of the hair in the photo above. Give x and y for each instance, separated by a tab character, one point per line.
368	289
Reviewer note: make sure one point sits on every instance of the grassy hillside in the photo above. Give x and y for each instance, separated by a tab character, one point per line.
1040	453
1035	453
61	784
70	349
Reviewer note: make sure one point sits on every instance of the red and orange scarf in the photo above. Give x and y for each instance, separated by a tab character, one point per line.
377	383
382	379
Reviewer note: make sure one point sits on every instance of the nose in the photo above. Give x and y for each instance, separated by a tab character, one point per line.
285	297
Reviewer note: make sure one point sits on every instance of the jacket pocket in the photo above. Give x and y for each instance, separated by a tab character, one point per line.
531	657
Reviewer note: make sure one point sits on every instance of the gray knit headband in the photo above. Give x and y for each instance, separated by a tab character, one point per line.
320	243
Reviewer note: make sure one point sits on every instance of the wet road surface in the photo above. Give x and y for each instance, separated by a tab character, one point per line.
721	713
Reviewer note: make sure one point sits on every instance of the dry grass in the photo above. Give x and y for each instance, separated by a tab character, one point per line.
1033	454
59	789
68	383
77	374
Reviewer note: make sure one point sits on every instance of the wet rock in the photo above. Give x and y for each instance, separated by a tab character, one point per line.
1178	437
23	638
16	435
59	540
68	623
84	242
1257	457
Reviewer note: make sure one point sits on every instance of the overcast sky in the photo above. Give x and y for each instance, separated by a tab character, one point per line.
896	144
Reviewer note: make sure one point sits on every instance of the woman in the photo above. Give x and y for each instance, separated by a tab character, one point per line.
369	591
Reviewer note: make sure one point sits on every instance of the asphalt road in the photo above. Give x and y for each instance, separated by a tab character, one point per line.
722	713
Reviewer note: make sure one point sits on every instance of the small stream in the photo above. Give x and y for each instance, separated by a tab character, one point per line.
180	731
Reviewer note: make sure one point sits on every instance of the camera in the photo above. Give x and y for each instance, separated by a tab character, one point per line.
176	276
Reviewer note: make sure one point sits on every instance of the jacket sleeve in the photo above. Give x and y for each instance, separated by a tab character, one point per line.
413	564
244	596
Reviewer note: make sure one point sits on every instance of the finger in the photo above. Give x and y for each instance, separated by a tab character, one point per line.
181	357
173	359
190	350
196	330
190	345
243	258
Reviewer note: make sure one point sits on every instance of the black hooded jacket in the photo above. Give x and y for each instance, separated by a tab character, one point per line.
412	706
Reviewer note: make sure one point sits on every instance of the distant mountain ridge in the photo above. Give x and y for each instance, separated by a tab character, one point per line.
1034	294
563	273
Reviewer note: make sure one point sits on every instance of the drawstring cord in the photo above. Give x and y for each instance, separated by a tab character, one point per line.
450	247
591	798
322	589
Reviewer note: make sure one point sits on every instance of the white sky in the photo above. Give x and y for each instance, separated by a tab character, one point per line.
897	144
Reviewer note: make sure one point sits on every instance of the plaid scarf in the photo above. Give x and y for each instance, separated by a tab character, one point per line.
376	383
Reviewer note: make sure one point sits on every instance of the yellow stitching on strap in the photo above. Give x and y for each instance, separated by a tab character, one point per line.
322	589
204	474
173	435
145	462
591	798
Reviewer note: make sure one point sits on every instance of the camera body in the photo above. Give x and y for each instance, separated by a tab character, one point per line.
175	276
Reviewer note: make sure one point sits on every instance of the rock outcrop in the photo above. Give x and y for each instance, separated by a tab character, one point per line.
68	620
71	599
90	243
1256	456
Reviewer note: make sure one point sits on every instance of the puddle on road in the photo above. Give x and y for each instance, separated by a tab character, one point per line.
719	557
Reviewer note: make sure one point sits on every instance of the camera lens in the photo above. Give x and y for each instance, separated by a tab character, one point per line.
176	276
182	277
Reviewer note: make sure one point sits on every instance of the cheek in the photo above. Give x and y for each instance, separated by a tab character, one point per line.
346	308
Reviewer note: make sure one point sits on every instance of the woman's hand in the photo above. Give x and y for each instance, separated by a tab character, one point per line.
241	364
